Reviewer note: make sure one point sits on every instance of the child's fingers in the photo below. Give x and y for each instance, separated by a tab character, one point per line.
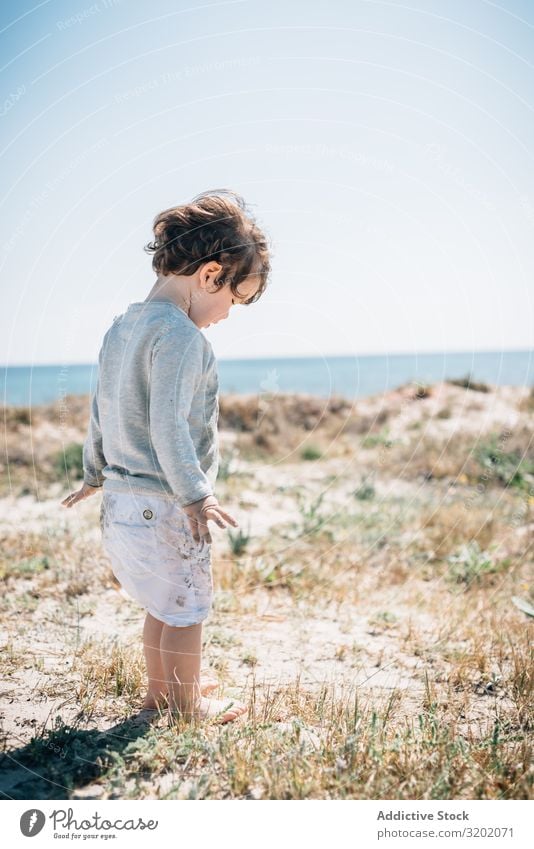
199	530
214	515
228	517
204	529
199	526
204	532
193	524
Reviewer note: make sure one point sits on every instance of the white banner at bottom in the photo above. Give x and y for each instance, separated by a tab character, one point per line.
242	824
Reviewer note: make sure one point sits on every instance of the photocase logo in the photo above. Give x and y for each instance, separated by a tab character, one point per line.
31	822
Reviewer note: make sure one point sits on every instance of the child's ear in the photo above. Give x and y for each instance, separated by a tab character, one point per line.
209	272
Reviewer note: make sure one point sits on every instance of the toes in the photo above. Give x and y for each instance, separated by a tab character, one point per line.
206	710
232	712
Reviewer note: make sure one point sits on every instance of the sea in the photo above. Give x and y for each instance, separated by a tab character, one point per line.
352	377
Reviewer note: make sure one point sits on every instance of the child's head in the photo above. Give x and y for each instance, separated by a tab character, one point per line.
214	246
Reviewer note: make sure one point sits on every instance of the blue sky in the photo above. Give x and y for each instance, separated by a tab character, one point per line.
384	147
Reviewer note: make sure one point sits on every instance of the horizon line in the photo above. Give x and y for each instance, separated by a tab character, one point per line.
303	357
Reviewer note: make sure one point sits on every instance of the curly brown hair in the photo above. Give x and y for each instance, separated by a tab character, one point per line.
214	225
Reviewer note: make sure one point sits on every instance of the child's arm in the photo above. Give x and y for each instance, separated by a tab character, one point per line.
93	456
93	459
177	372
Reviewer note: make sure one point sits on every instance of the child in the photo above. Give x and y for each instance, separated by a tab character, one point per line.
152	442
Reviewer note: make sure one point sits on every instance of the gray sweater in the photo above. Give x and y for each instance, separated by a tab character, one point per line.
154	413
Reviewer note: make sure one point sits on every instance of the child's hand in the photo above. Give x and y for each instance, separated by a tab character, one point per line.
82	493
199	512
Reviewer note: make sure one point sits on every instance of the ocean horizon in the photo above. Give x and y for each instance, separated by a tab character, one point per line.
349	376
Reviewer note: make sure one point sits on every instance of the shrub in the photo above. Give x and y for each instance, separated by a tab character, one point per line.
70	460
468	383
509	469
374	439
471	564
311	452
365	491
238	540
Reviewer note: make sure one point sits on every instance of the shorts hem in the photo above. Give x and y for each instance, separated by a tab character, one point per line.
185	621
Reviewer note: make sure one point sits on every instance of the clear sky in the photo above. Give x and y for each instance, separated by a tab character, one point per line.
385	147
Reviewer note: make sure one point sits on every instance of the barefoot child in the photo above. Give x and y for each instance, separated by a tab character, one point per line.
152	442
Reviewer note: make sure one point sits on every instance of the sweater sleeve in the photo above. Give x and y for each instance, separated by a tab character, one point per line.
176	374
93	455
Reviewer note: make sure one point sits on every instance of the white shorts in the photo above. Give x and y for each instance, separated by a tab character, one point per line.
155	558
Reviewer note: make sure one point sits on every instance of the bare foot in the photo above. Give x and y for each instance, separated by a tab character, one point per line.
221	710
152	703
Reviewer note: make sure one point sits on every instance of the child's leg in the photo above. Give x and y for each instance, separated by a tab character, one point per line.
181	650
157	686
157	682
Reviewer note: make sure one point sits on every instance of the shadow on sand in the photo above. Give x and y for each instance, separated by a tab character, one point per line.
62	761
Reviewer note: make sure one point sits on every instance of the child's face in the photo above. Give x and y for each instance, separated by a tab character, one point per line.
209	306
